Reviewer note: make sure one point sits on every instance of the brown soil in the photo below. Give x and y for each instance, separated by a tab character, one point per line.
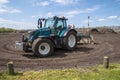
102	30
82	56
94	30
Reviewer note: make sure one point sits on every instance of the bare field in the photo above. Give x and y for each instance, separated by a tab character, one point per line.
82	56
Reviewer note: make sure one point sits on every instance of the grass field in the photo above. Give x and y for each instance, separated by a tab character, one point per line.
90	73
7	30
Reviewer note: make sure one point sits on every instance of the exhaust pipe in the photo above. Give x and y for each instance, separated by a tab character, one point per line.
23	35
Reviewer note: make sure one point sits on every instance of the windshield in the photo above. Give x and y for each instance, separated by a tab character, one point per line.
49	23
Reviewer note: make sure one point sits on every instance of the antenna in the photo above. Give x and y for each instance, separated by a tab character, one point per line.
88	22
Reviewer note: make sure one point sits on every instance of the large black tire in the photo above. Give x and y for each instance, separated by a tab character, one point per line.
25	48
70	44
42	47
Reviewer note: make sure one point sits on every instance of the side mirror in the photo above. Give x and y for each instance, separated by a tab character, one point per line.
39	23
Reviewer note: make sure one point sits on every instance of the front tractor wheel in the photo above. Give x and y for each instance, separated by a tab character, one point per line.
42	47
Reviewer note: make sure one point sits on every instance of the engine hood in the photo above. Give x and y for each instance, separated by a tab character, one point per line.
37	33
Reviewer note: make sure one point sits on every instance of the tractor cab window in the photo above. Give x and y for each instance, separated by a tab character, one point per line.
49	23
60	24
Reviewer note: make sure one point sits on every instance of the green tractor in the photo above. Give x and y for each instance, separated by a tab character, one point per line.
51	33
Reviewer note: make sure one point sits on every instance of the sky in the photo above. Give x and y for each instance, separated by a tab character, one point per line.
23	14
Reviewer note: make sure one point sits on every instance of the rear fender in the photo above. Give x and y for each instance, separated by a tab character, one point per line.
68	30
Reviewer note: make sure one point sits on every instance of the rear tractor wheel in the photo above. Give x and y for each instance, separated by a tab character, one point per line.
70	41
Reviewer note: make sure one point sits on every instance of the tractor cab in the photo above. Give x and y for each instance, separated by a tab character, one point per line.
55	24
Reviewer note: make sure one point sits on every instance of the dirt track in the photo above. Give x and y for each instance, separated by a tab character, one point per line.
84	55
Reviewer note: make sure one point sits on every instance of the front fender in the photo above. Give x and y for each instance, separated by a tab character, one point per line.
33	36
43	37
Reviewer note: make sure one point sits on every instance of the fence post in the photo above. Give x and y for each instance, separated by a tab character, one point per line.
106	62
10	68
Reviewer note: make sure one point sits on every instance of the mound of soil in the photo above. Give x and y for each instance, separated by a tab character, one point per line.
102	30
94	30
107	30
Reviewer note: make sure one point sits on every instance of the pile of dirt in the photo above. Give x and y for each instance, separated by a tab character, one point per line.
117	31
107	30
102	30
94	30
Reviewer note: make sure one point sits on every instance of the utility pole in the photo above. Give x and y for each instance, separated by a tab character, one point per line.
88	24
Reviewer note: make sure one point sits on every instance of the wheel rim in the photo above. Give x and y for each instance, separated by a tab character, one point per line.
44	48
71	41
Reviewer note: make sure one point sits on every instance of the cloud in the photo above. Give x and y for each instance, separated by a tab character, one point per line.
102	20
118	18
13	24
108	18
33	16
3	1
112	17
64	2
49	14
87	10
44	3
73	13
70	13
7	9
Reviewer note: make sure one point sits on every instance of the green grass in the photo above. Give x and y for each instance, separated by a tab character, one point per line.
7	30
90	73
